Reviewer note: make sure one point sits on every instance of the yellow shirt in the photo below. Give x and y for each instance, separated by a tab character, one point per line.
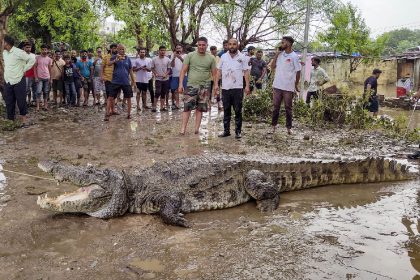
107	70
16	63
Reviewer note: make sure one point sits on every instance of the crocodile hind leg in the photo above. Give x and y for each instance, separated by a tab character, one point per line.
170	210
262	190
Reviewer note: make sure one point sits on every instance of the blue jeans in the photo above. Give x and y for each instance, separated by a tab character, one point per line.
31	88
43	88
70	90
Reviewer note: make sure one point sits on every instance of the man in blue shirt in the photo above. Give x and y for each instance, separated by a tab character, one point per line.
122	79
85	67
225	48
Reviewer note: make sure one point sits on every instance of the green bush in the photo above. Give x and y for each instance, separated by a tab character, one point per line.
258	106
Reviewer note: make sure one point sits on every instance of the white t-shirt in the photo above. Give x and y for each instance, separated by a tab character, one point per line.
176	71
232	69
143	76
286	68
161	66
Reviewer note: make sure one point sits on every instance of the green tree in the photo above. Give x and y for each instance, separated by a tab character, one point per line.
141	22
349	34
400	40
74	22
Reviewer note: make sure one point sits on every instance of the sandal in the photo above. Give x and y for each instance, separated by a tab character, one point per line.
106	119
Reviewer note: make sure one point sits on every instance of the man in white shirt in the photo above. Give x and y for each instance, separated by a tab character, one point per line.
286	80
142	68
161	66
177	60
16	63
318	78
233	66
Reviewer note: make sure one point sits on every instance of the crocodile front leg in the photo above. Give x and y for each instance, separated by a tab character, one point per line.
170	207
262	190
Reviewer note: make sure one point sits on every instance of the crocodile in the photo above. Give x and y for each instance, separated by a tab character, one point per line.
206	182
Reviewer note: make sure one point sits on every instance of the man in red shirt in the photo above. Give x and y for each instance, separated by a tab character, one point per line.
30	76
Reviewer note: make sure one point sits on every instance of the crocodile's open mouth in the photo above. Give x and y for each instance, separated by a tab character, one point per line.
86	199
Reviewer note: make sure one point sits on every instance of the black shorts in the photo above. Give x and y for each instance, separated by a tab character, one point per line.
57	85
126	89
108	88
162	88
142	86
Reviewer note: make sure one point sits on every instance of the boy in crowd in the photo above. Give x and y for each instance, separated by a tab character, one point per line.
31	86
42	72
68	72
98	83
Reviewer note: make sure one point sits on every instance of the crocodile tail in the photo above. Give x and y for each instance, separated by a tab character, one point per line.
312	174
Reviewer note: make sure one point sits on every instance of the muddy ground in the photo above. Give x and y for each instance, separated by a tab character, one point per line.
336	232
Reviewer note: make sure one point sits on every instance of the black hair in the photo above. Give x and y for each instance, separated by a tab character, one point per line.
179	44
98	48
376	71
57	51
203	39
90	50
44	46
225	41
141	49
289	39
66	57
27	43
113	45
259	51
162	48
213	48
82	51
317	60
9	40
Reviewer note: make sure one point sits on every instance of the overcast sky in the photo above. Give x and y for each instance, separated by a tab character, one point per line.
386	15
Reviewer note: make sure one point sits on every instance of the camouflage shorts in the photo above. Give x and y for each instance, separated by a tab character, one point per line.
197	97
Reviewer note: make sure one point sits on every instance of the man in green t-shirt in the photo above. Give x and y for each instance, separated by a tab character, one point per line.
201	69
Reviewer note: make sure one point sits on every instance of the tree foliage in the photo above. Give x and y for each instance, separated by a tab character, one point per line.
258	21
74	22
141	21
400	40
350	35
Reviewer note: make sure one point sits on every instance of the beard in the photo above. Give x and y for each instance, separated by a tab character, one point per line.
233	50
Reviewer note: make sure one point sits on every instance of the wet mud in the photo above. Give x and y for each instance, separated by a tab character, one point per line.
334	232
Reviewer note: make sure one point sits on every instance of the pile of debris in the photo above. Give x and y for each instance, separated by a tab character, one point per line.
402	102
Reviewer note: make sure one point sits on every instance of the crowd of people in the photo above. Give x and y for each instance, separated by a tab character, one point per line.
200	77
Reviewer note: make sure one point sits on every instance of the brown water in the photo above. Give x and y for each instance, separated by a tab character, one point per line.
337	232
